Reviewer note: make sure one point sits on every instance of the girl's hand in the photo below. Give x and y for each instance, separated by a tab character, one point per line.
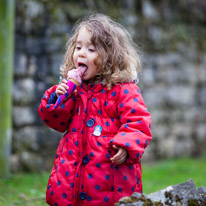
62	88
121	155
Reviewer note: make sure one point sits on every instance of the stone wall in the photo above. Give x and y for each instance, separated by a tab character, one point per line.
171	38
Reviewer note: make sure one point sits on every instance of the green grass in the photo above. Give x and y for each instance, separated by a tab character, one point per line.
29	189
159	175
24	190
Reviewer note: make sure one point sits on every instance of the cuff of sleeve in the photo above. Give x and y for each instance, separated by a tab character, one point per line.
53	98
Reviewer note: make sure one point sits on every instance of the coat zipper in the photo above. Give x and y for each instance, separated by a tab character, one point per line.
84	140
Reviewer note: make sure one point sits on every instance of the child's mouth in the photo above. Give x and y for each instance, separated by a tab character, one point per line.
83	67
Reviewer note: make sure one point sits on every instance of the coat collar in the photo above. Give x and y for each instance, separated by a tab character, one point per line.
92	87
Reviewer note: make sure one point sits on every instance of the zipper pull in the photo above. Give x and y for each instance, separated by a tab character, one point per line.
89	95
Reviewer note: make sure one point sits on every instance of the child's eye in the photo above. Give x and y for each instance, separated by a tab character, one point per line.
92	50
78	47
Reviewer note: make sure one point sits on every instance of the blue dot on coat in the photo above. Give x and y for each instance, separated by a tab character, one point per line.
125	177
90	176
70	152
74	130
64	196
67	173
132	189
98	144
103	91
111	140
127	144
63	161
138	91
119	189
123	134
135	99
133	110
62	106
106	103
116	167
138	155
121	105
106	199
126	125
89	198
48	106
107	177
98	165
55	204
72	185
51	193
94	99
59	183
99	111
49	187
126	91
91	154
146	142
107	124
138	141
113	94
97	187
76	143
107	155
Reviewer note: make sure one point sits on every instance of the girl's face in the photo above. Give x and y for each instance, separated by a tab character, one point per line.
85	53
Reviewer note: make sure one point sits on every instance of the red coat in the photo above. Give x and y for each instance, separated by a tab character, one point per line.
83	173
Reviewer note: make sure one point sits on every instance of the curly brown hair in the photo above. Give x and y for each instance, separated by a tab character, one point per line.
117	53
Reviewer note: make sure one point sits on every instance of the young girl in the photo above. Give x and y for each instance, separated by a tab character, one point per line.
106	122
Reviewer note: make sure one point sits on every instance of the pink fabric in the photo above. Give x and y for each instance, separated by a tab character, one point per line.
83	173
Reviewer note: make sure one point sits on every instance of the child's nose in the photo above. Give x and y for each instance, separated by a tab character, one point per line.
82	53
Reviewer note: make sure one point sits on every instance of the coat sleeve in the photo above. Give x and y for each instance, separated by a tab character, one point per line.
134	133
58	118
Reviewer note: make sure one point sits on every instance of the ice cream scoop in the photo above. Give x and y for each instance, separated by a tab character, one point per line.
74	77
76	74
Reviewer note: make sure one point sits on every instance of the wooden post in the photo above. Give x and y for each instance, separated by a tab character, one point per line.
6	74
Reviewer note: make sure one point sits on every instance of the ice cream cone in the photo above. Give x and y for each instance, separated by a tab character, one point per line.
75	82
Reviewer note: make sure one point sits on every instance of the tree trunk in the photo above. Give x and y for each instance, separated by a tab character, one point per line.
6	68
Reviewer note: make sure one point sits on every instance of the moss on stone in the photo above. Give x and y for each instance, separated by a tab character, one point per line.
193	203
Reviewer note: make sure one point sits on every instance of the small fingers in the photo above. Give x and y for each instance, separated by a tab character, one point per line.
63	81
121	155
62	88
